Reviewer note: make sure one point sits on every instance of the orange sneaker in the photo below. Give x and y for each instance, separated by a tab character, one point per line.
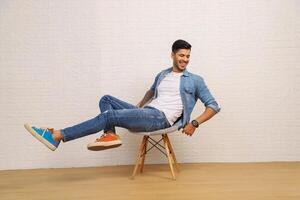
106	141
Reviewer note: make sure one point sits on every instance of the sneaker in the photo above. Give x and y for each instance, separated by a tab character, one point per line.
44	135
106	141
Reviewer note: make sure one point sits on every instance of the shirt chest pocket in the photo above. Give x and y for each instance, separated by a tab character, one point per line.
190	95
189	90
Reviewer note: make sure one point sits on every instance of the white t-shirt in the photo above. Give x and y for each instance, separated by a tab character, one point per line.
168	97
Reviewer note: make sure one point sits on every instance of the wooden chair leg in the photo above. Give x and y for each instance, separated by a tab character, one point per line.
140	153
144	154
168	155
172	153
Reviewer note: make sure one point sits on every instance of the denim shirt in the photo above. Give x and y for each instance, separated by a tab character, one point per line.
192	88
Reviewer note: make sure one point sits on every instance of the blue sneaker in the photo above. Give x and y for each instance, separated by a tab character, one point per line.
44	135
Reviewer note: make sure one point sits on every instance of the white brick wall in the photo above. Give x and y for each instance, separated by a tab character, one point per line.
57	58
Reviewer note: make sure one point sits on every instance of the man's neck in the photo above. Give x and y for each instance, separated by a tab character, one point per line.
176	70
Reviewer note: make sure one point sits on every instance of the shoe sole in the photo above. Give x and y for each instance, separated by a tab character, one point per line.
39	137
100	147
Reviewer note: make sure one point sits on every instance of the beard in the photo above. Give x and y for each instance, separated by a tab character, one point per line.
178	67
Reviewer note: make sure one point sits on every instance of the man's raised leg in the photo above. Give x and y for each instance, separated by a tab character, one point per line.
145	119
108	102
109	139
140	120
51	138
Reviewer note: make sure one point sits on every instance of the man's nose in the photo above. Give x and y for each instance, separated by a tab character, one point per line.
185	59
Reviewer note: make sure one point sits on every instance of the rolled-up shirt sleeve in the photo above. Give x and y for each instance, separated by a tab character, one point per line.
206	97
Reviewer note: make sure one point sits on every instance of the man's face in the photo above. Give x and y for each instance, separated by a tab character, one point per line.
181	59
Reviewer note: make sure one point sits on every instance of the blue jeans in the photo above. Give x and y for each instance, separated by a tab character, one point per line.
115	112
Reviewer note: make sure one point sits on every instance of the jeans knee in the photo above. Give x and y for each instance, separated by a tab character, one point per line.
104	98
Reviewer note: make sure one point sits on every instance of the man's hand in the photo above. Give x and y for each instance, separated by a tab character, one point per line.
189	129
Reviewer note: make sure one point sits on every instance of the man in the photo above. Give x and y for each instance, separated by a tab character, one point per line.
169	102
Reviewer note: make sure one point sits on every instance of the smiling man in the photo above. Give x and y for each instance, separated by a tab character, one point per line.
169	102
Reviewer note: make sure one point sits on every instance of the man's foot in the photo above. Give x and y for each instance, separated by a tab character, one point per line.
44	135
106	141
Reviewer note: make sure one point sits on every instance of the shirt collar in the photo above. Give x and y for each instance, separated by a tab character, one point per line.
185	72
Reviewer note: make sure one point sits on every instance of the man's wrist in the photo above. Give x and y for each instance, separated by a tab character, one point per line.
195	123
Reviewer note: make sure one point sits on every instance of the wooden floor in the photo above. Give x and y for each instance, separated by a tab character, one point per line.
196	181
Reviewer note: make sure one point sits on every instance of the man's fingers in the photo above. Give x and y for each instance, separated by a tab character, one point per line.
186	132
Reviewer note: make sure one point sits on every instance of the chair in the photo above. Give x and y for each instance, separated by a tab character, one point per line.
169	152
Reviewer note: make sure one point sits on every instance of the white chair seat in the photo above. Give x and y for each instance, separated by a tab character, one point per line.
157	132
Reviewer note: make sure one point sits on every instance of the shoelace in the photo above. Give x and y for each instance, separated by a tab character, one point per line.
102	136
45	130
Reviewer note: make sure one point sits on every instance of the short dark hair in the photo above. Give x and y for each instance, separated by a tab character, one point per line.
180	44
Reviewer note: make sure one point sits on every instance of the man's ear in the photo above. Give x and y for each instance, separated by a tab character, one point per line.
172	55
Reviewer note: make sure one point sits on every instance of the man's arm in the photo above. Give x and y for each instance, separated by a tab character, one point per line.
210	103
149	94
